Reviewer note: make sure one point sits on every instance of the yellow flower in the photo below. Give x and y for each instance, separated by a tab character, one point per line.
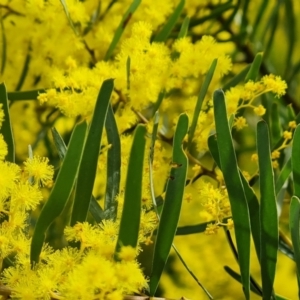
127	253
259	110
240	123
287	135
39	169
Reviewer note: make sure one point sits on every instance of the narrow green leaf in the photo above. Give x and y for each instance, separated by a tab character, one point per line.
88	165
296	161
59	143
119	31
130	220
295	229
113	164
4	46
172	205
184	28
95	209
163	35
66	10
158	102
26	95
197	228
60	192
268	211
252	200
237	78
236	193
285	248
237	277
283	176
150	160
24	71
6	128
201	96
254	67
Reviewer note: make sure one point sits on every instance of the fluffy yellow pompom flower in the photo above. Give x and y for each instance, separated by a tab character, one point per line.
39	169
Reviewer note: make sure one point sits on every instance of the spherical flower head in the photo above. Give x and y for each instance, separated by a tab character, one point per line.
275	164
25	196
275	84
240	123
211	229
275	154
39	170
287	135
259	110
254	157
127	253
292	124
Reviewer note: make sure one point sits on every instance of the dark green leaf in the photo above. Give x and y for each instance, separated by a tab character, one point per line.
296	161
172	205
200	100
283	176
26	95
237	277
295	230
61	191
95	209
130	220
88	165
113	163
6	128
170	24
252	200
236	193
237	78
268	211
254	67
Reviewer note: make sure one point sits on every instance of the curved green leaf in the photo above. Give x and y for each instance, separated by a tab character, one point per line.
130	220
184	28
172	205
295	229
236	193
170	24
283	176
95	209
237	78
268	211
119	31
254	67
296	161
26	95
88	165
200	100
252	200
113	164
61	191
6	128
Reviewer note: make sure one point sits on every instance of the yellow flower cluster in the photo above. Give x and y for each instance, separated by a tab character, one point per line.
216	204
